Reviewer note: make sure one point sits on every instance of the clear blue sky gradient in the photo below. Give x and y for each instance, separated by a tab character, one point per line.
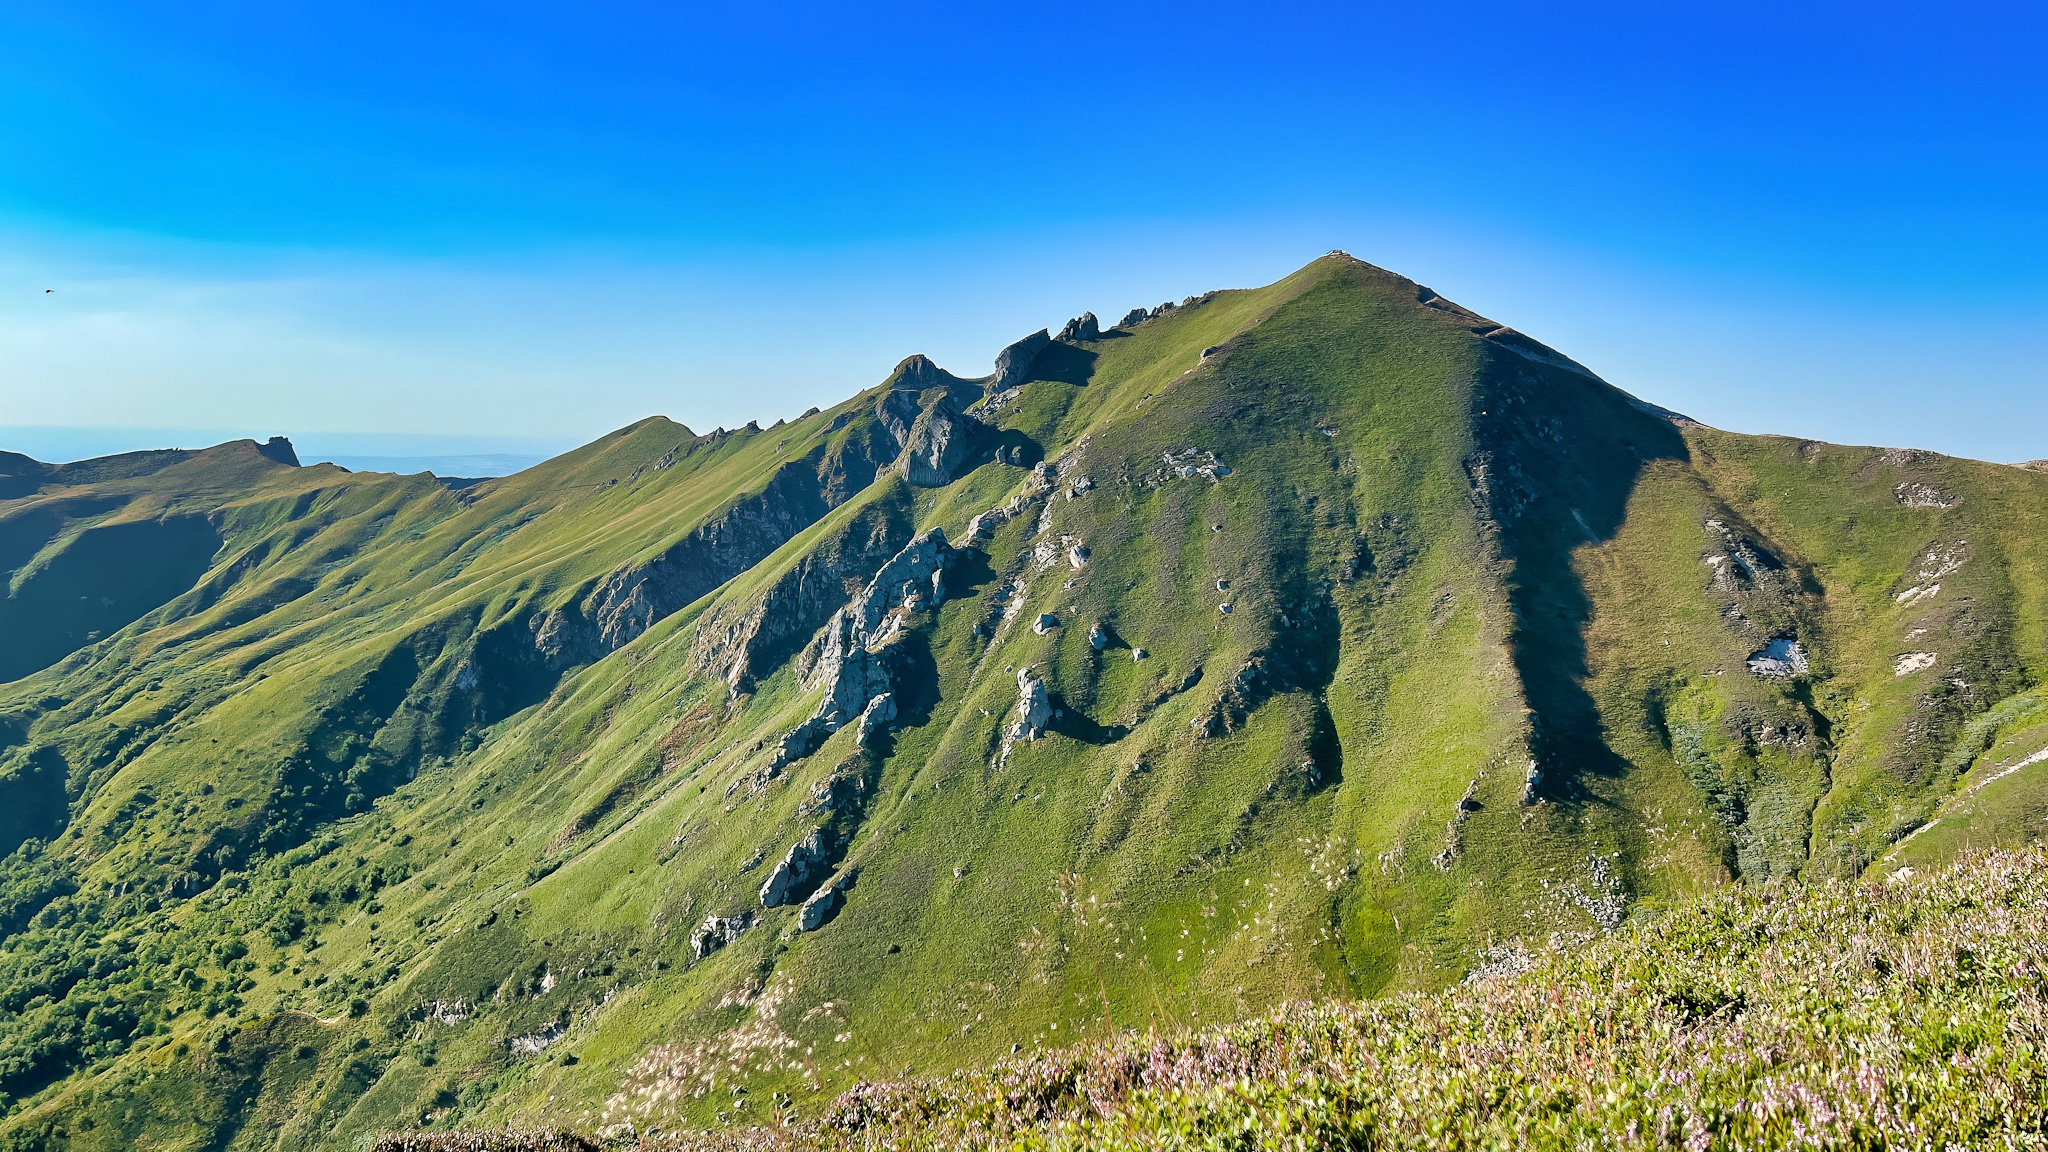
516	219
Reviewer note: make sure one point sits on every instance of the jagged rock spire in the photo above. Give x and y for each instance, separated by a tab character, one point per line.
1082	327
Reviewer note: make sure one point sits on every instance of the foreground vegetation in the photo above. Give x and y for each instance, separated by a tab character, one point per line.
1909	1014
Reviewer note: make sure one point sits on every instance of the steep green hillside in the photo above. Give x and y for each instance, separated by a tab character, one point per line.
1322	639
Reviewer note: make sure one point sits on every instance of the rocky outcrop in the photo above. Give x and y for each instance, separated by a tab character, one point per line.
1757	590
824	902
844	791
1014	363
1082	327
718	931
939	445
279	449
903	578
982	528
878	715
852	675
740	641
851	660
917	373
897	412
1133	318
630	600
1185	463
624	604
795	876
1780	659
1034	706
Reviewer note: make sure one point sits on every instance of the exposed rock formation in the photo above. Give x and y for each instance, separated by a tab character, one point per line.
1098	636
843	791
1133	318
823	902
1185	463
880	712
790	881
739	641
1034	707
1082	327
898	412
851	659
939	444
279	449
1014	362
624	604
1913	494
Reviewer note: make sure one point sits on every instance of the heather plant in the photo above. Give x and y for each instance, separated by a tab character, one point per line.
1839	1015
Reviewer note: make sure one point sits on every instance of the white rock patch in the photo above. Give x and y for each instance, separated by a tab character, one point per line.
1918	592
1913	662
1779	659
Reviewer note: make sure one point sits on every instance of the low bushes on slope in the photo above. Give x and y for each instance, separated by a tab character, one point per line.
1912	1015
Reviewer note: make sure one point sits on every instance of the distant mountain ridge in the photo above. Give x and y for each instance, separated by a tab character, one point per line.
1312	640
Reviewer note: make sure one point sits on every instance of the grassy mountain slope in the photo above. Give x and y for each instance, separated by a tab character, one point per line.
410	807
1826	1015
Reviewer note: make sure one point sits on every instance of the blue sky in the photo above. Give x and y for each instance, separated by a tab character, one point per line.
525	223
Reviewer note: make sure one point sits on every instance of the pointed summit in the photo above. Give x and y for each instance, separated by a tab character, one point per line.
917	373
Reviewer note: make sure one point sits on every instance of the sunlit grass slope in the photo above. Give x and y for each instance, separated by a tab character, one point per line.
405	812
1907	1015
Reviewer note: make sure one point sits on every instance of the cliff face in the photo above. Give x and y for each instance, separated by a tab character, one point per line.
1316	639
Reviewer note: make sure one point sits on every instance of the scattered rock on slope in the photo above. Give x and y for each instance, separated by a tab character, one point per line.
1913	494
718	931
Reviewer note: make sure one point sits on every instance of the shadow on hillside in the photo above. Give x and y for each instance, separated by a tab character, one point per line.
1017	450
1071	722
1559	457
968	574
1066	363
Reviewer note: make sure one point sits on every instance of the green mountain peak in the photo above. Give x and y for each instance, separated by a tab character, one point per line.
1314	640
